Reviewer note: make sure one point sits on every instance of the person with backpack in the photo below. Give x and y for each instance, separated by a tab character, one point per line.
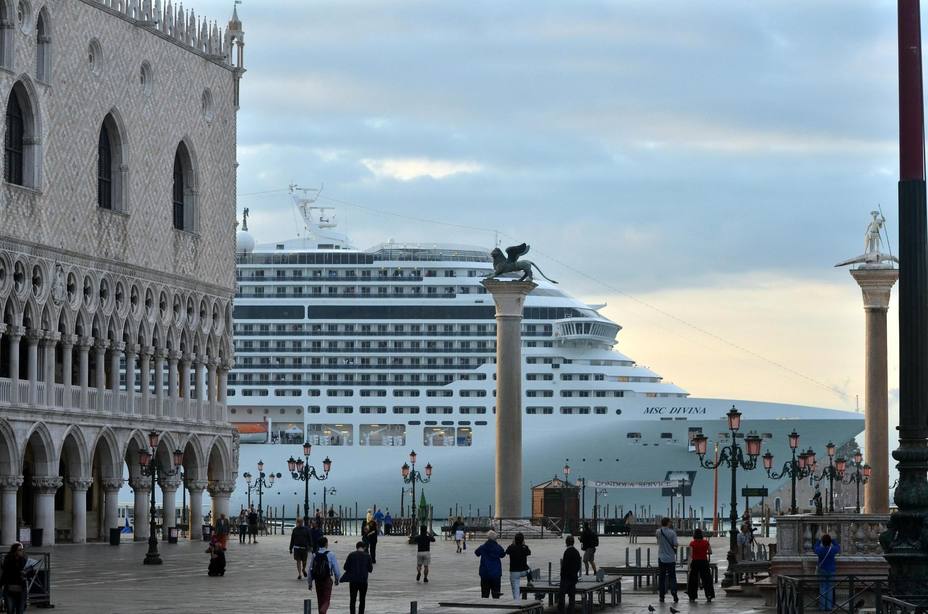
826	550
388	523
491	567
589	541
299	547
357	567
570	575
372	540
13	579
423	552
518	554
323	572
667	545
315	535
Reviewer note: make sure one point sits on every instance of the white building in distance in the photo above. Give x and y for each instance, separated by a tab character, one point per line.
117	270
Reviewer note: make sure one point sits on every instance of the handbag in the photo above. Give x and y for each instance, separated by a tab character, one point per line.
346	577
464	545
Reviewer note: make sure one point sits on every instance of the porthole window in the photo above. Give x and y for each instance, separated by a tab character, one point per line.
206	103
145	78
95	57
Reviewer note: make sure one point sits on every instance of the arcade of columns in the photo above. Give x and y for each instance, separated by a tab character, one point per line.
90	362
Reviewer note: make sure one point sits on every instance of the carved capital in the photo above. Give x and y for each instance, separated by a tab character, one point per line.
50	339
34	336
11	482
80	483
47	485
2	328
221	488
16	332
160	354
111	484
140	484
119	346
173	357
132	349
85	343
101	345
169	483
197	485
146	351
68	341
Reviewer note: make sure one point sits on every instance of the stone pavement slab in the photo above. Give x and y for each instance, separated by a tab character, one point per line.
261	578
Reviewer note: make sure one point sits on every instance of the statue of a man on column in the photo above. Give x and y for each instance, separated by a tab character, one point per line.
873	241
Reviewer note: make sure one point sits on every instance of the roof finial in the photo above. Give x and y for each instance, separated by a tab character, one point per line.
245	220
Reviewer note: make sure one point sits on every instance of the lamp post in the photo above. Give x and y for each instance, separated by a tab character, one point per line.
796	468
835	469
566	470
325	491
732	456
860	476
411	476
259	483
150	466
302	470
596	492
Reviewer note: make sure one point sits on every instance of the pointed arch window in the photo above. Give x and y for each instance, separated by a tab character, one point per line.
104	170
13	143
43	48
183	192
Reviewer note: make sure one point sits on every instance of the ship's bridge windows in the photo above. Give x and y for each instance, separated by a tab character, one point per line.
438	436
287	433
382	434
339	409
633	435
666	435
373	409
330	434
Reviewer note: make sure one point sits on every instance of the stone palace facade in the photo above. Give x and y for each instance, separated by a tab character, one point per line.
117	239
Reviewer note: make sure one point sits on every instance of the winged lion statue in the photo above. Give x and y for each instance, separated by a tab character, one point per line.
510	263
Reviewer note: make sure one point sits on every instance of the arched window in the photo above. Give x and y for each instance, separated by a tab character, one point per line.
104	170
183	193
6	34
13	143
42	48
111	167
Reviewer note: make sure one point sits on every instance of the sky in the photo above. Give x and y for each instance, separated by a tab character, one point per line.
698	166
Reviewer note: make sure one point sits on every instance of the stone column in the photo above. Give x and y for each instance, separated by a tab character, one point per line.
118	348
196	488
169	488
48	367
83	347
100	365
45	489
67	349
131	353
876	285
9	487
111	487
15	334
509	297
79	488
141	486
145	377
172	381
159	381
32	368
184	388
221	492
198	374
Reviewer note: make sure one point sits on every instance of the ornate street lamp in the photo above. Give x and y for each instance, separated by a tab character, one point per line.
860	476
150	466
302	470
259	483
834	470
411	476
732	456
796	468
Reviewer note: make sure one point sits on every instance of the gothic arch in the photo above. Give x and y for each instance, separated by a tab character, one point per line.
106	453
23	144
43	49
185	181
113	163
9	453
43	450
194	459
74	454
219	462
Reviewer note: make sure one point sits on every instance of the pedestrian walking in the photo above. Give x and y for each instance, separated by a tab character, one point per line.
457	528
315	535
746	543
423	552
252	525
13	579
826	550
299	547
518	554
570	575
242	526
667	545
589	541
378	518
372	540
222	530
388	523
491	567
700	551
217	558
324	574
357	566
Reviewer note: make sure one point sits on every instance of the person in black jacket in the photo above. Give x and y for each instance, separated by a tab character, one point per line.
372	540
588	543
13	579
299	547
518	554
315	535
570	574
357	566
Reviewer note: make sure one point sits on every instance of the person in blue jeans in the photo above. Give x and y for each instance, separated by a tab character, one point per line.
826	550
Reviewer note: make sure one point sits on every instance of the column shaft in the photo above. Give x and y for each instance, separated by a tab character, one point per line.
196	510
142	489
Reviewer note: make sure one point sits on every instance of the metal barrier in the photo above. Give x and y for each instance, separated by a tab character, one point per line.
902	605
850	593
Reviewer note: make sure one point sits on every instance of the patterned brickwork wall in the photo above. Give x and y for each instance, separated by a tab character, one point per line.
153	118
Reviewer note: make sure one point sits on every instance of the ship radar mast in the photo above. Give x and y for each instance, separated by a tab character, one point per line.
317	220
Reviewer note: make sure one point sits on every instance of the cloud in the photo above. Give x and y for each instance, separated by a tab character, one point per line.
407	169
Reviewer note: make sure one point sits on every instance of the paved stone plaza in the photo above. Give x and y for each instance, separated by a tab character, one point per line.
103	579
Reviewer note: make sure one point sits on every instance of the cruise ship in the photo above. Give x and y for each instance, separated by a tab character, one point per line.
369	354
